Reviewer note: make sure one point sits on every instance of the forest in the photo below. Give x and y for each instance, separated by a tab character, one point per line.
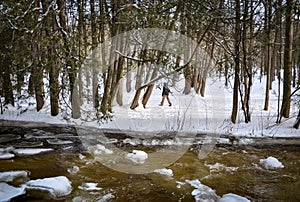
44	43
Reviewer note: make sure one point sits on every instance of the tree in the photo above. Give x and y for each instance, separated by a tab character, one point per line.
236	61
297	123
287	60
6	36
268	50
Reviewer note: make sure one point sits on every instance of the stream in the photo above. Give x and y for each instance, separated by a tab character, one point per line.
228	168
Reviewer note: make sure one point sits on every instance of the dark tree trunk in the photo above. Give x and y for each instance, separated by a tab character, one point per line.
297	123
7	87
237	63
285	107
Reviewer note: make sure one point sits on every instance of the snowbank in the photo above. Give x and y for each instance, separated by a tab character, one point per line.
137	156
271	163
56	186
214	111
164	171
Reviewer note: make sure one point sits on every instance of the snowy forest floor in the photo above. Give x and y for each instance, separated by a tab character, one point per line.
189	113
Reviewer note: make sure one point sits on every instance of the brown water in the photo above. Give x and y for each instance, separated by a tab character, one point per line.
240	174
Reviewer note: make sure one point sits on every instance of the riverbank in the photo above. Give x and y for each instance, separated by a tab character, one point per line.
22	131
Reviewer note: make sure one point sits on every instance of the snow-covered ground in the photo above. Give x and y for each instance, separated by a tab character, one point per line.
189	113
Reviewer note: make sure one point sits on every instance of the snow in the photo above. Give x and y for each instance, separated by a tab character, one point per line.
89	186
271	163
137	156
214	111
8	192
9	176
164	171
57	186
233	198
32	151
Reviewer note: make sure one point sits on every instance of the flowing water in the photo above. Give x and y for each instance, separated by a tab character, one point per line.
227	169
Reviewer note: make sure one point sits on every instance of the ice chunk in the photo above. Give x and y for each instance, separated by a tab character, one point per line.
233	198
89	186
9	137
8	192
7	149
271	163
56	186
106	197
32	151
59	141
179	184
137	156
9	176
100	149
218	167
73	170
81	157
164	171
203	192
6	156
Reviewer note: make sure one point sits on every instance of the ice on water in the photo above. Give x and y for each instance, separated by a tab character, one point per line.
164	171
137	156
89	186
56	186
8	192
9	176
271	163
233	198
207	194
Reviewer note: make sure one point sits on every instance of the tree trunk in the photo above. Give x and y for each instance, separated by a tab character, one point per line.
285	107
147	94
268	17
94	65
54	88
7	87
236	62
297	123
37	77
188	80
52	64
119	97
